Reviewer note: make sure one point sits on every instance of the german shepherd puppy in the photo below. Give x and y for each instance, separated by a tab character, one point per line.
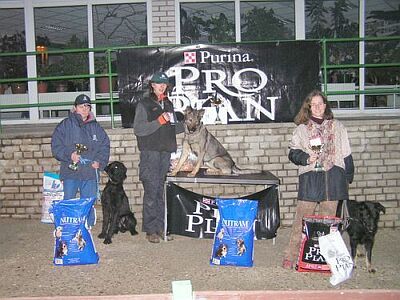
117	215
210	152
362	227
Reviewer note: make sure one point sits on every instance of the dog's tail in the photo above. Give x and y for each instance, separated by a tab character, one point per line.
237	170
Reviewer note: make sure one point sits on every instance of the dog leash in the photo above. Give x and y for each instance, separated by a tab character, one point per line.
344	215
85	161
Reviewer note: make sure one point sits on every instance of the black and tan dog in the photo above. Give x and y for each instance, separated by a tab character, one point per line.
209	151
117	215
362	227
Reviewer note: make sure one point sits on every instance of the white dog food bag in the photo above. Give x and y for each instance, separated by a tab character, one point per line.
73	242
53	190
234	235
336	255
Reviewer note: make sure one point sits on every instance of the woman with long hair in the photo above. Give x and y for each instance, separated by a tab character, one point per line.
320	148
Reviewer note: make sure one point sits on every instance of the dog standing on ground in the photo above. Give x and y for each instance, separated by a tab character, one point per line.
362	226
117	215
210	152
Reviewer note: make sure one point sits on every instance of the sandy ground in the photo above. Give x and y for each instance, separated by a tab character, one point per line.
131	265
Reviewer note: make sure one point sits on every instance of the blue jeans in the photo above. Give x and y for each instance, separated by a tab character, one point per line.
87	189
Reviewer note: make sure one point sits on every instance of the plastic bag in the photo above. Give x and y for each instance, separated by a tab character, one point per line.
336	255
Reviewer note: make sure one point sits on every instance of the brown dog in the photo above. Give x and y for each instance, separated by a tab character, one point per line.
210	152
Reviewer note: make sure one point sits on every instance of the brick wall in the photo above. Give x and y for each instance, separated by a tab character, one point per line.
163	22
375	145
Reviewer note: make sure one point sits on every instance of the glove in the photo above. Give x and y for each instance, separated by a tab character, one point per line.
162	120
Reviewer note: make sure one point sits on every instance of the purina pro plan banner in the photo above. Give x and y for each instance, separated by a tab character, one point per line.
253	82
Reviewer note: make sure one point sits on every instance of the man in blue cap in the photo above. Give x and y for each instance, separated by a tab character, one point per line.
80	167
155	126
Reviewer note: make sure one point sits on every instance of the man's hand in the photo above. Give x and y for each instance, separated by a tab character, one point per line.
95	165
75	157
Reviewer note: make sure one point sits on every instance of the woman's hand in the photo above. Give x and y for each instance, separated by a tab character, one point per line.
313	158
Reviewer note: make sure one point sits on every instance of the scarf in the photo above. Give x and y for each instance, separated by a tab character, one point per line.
326	132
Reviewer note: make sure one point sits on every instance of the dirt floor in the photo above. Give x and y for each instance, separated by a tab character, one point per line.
131	265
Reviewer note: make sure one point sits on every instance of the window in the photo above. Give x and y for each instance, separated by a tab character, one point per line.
12	39
382	19
63	28
207	22
120	24
337	19
267	20
331	19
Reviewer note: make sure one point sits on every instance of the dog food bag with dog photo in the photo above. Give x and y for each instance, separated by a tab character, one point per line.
73	242
234	235
53	190
310	257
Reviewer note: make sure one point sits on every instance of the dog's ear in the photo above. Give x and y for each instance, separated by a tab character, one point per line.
188	110
107	168
200	114
380	207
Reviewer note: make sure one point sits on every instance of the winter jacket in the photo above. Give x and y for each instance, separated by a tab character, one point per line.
72	131
151	135
332	183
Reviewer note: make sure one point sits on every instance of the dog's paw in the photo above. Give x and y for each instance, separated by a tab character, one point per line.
134	232
371	270
107	241
101	236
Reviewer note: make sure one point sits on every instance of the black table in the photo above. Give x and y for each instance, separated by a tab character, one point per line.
265	178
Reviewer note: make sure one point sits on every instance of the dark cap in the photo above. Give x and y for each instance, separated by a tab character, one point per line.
160	77
82	99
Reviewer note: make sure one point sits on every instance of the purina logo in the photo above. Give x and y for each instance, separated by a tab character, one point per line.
207	57
189	57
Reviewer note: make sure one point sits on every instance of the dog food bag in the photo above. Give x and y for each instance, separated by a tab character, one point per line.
53	190
73	243
337	257
234	235
310	258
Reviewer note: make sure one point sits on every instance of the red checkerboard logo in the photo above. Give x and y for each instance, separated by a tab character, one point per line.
189	57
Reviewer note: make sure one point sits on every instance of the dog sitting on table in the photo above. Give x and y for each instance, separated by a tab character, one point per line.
210	153
117	215
363	218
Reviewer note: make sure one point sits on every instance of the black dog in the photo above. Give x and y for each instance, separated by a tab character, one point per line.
117	215
362	227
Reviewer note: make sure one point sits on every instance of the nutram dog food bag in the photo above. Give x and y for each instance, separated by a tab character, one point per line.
234	235
310	258
73	243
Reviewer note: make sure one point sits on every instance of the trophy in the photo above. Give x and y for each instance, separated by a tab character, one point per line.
317	146
79	149
216	103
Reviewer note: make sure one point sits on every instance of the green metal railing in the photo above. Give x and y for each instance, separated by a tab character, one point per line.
326	67
108	52
109	74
